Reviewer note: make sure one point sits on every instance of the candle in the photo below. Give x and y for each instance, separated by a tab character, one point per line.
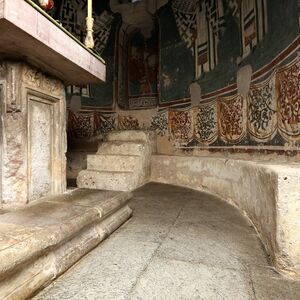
90	7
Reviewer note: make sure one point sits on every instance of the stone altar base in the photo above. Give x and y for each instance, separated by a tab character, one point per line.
32	135
41	241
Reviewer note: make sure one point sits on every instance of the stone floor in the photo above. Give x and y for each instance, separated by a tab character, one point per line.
180	244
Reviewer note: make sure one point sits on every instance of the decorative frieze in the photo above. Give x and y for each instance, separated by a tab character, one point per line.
37	79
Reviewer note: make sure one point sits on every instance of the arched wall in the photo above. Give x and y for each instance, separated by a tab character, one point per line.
137	71
235	113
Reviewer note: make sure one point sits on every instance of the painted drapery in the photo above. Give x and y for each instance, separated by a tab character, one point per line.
288	100
262	108
88	124
268	115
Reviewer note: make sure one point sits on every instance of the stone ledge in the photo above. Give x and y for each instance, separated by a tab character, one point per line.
268	193
40	242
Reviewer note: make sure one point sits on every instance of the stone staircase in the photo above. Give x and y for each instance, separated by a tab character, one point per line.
122	162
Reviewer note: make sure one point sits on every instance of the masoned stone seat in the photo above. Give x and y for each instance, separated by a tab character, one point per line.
268	193
130	135
122	148
41	241
107	162
108	180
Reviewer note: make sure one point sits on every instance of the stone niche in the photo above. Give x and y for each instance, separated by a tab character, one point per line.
33	135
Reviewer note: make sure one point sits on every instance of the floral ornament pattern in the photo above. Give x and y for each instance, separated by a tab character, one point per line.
128	123
80	125
159	124
104	123
262	122
180	125
288	100
206	129
232	119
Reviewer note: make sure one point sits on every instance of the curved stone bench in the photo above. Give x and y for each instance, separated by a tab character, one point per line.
40	242
268	193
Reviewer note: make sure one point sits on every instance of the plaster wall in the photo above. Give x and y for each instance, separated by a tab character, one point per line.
33	131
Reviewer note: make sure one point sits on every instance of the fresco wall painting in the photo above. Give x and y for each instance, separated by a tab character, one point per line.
267	117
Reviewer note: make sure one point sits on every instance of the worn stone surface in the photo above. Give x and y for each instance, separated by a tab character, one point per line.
121	163
41	241
107	180
122	148
134	135
288	217
176	279
267	193
33	139
179	244
114	162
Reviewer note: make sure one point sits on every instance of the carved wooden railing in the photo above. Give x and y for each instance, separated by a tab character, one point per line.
89	40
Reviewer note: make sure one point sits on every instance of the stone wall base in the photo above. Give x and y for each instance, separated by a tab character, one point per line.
42	241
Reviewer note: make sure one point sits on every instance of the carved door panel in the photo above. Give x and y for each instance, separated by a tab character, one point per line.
41	129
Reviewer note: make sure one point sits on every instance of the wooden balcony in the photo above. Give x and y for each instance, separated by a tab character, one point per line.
29	34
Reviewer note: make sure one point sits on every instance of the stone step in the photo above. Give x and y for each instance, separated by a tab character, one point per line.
43	240
113	162
122	148
107	180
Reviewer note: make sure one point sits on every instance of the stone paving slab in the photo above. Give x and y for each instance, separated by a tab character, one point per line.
97	278
171	256
174	279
